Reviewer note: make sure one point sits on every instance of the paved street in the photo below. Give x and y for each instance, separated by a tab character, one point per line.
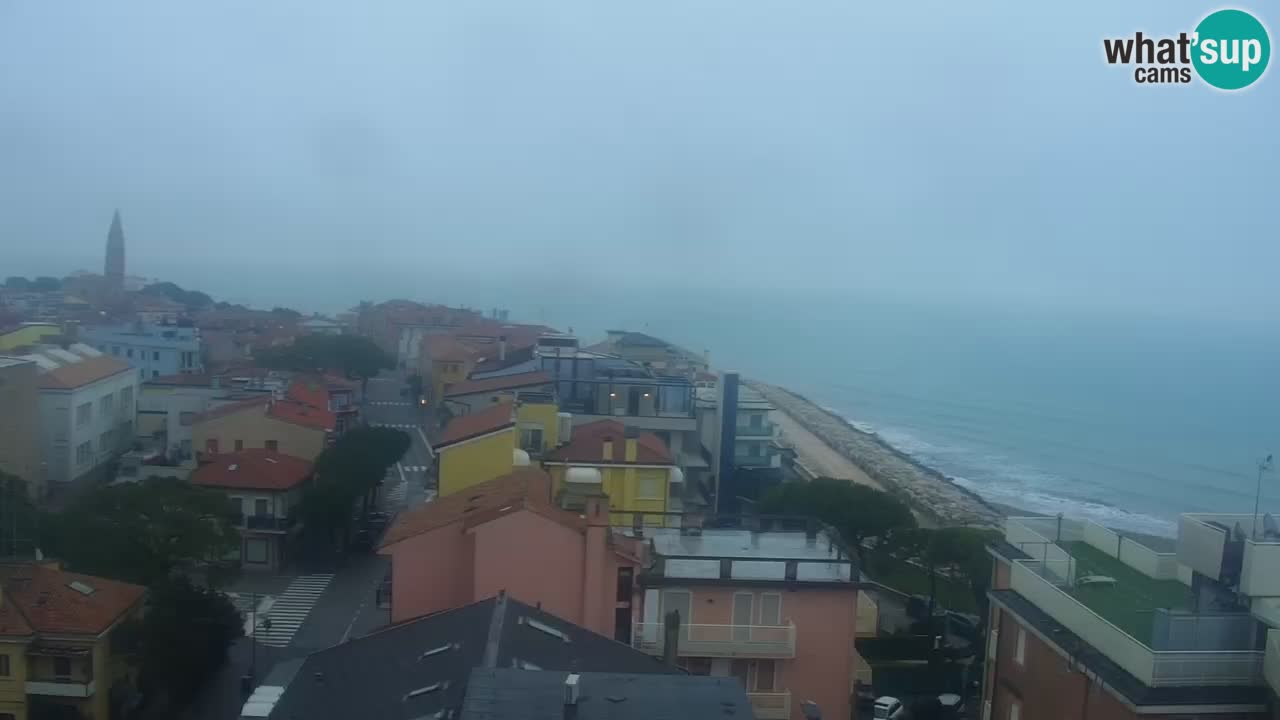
326	606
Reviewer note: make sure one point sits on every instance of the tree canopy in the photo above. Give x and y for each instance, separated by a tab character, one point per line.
352	355
185	637
191	299
141	531
346	471
860	513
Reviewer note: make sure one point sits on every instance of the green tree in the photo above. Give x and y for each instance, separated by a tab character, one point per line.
141	532
20	519
860	513
184	639
192	299
347	471
352	355
959	553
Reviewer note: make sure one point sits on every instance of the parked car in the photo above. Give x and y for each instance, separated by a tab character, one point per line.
888	708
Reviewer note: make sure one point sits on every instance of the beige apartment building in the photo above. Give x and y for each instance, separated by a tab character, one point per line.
20	423
283	426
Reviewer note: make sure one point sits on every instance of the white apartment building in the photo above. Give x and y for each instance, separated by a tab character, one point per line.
88	403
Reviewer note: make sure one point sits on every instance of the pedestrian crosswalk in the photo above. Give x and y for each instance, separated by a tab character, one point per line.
414	468
391	403
277	626
394	497
398	426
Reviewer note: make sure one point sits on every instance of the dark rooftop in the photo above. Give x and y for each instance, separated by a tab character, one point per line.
504	694
422	667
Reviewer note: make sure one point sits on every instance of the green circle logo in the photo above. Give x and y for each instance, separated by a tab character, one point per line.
1232	49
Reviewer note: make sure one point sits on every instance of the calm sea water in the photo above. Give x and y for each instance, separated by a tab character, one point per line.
1125	421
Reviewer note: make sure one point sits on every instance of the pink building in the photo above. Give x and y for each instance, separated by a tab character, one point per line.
507	535
777	609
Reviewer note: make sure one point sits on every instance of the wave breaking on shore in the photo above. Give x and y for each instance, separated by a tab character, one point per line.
923	488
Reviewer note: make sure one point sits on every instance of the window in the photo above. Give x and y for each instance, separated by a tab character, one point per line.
4	666
239	445
531	439
211	445
237	506
155	373
261	507
106	406
626	576
770	609
104	441
1020	647
155	355
62	667
255	551
126	431
764	680
84	453
115	350
1015	710
84	413
755	420
272	445
186	418
129	353
126	399
650	488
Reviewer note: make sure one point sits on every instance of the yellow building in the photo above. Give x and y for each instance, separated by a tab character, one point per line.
443	361
478	447
284	426
635	469
28	334
20	424
58	644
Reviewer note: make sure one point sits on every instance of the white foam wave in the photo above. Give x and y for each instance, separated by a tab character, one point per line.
1012	483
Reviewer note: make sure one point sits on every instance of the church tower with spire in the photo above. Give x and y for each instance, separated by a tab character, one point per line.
114	268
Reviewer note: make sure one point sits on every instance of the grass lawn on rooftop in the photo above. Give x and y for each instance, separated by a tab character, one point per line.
1130	602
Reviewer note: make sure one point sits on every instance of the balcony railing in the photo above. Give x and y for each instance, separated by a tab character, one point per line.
1155	668
59	687
770	705
765	430
741	641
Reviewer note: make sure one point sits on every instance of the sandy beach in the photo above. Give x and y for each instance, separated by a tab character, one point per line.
828	445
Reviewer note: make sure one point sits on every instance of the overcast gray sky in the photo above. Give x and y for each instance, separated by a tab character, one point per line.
330	151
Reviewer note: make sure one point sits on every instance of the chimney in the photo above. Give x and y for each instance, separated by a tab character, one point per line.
608	449
502	347
671	638
598	584
572	692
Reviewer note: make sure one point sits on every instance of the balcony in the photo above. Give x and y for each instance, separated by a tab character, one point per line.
765	430
727	641
658	404
770	705
59	687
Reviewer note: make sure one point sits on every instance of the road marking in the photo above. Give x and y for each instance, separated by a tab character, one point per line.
426	444
391	403
399	426
291	608
414	468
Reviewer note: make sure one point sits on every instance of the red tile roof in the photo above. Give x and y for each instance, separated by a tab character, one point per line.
523	489
309	391
587	446
465	427
502	382
89	370
47	602
303	414
253	469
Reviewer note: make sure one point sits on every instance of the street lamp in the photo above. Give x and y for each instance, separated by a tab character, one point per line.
1264	465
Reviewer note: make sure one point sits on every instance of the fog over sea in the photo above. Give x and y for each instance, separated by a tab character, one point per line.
1126	420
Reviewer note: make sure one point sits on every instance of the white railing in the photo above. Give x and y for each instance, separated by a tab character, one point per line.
60	688
1153	668
770	705
1271	662
1158	565
758	641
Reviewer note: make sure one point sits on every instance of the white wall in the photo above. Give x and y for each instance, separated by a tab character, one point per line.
61	436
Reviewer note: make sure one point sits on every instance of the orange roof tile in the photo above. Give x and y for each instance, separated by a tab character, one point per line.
232	408
49	603
302	414
310	391
255	469
465	427
502	382
587	446
523	489
89	370
447	349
